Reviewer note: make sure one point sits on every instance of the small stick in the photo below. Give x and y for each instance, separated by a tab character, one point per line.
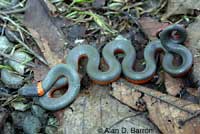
182	122
30	50
165	101
5	94
14	11
14	59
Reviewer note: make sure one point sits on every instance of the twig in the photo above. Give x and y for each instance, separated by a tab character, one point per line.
14	11
160	98
9	99
134	19
3	29
18	4
2	94
182	122
121	120
30	50
165	101
21	42
14	59
5	17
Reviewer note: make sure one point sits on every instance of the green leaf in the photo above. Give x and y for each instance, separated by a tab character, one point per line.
4	3
100	21
72	14
6	67
20	106
79	1
82	1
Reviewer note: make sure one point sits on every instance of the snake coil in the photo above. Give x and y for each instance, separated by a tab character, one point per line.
68	73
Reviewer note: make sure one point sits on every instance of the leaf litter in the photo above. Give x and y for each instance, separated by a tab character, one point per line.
47	27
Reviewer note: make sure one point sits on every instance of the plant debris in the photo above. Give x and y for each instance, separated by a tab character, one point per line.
176	7
36	35
165	111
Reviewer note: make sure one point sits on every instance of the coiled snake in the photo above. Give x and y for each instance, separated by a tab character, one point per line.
68	73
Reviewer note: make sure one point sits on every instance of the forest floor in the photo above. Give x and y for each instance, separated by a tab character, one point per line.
38	34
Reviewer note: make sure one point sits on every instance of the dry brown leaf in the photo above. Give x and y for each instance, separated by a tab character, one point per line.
176	7
194	46
193	91
47	32
43	44
50	6
95	111
165	116
151	26
173	85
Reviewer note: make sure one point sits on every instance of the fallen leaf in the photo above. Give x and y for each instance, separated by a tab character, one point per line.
40	71
190	95
76	32
151	26
50	6
47	32
22	57
93	112
20	106
164	110
151	5
194	46
100	22
176	7
173	85
193	91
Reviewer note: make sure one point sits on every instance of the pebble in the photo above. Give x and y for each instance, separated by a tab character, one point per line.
11	38
4	90
39	112
22	57
3	116
50	130
98	3
8	128
18	118
5	46
31	125
10	79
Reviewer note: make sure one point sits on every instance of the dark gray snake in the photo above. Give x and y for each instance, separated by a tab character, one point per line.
68	73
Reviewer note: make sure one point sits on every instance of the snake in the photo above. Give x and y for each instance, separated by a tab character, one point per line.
67	73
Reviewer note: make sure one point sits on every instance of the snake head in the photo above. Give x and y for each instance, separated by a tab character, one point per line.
30	90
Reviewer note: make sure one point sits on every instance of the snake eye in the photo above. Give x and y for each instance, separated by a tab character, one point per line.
175	35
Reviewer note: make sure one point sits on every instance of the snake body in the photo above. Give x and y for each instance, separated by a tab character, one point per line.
174	46
68	73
